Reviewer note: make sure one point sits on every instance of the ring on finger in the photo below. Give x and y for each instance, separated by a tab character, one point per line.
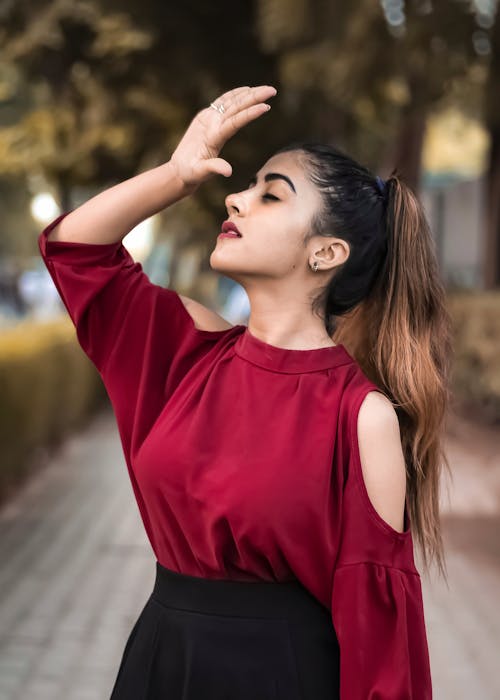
220	108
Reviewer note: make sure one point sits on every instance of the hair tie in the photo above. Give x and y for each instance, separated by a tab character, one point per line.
381	184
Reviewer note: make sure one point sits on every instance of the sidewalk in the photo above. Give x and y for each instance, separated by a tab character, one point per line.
463	623
77	569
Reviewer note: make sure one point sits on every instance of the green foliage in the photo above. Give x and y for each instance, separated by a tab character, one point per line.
48	387
355	82
476	372
103	91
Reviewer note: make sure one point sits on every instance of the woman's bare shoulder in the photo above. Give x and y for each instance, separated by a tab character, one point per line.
204	319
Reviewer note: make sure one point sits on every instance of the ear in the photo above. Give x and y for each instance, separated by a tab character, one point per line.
330	252
340	250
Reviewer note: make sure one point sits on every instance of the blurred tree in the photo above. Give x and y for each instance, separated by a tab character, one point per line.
492	120
199	51
70	127
103	91
363	85
435	50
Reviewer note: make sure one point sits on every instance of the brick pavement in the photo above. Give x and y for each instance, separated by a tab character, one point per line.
77	569
463	621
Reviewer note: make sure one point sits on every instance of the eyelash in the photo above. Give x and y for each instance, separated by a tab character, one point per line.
269	196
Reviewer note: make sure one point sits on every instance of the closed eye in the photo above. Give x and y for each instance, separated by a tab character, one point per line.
268	196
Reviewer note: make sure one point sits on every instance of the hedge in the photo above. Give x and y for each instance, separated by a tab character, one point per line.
48	388
476	365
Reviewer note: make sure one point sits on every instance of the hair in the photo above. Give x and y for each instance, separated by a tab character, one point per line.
387	305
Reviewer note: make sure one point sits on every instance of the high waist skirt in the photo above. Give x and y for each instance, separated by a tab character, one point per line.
217	639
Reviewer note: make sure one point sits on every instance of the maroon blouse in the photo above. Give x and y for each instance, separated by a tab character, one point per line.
244	461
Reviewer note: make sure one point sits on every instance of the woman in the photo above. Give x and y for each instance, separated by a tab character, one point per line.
270	467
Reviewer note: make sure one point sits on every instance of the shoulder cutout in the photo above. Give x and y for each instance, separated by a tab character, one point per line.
204	319
382	458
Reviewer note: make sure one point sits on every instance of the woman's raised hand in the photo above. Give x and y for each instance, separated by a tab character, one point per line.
196	157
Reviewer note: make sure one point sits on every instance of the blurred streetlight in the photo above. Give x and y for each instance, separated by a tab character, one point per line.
139	241
44	208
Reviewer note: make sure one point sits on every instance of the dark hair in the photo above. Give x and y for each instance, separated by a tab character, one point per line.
387	304
353	209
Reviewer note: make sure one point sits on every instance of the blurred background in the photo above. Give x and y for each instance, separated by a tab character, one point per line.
93	92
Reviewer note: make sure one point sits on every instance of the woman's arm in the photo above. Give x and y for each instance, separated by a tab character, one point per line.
110	215
382	459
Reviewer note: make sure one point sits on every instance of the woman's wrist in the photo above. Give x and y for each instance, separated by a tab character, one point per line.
175	187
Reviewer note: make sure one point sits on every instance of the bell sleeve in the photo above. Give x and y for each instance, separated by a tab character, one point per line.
376	597
134	332
378	619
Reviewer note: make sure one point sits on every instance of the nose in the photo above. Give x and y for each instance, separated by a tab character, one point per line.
234	203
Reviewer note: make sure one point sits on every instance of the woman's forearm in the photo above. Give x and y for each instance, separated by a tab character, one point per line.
110	215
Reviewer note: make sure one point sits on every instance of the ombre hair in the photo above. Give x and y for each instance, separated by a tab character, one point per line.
387	304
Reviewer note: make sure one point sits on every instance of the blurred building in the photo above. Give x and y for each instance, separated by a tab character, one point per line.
455	208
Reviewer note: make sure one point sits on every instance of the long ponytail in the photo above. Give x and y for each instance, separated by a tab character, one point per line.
401	336
387	305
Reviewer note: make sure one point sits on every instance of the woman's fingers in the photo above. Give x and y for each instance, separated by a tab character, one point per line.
227	97
233	124
241	106
246	98
244	107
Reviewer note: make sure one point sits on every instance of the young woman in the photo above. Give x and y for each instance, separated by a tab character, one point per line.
280	475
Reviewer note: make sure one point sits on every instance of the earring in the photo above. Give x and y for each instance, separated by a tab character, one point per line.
315	266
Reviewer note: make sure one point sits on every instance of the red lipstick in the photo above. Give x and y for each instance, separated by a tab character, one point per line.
230	230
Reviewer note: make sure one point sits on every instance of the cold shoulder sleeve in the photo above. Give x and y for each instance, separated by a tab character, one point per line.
136	333
376	595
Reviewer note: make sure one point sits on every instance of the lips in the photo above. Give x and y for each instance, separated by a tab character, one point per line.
230	227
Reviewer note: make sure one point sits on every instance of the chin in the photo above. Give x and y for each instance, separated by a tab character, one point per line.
220	262
225	267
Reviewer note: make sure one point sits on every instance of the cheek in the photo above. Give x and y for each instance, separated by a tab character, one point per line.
271	242
288	250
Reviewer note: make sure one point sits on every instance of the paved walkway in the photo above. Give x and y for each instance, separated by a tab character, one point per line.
77	569
463	622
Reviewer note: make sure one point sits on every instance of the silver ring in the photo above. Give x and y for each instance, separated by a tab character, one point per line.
220	108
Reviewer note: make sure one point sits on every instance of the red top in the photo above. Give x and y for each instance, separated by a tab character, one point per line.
244	461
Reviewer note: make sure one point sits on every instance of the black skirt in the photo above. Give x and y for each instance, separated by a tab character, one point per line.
215	639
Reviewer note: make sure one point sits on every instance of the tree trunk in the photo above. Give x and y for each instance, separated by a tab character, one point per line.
64	192
492	233
492	120
407	151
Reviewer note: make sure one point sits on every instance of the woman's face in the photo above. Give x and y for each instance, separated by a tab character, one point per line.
273	216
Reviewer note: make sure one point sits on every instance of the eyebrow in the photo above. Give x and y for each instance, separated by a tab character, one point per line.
273	176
